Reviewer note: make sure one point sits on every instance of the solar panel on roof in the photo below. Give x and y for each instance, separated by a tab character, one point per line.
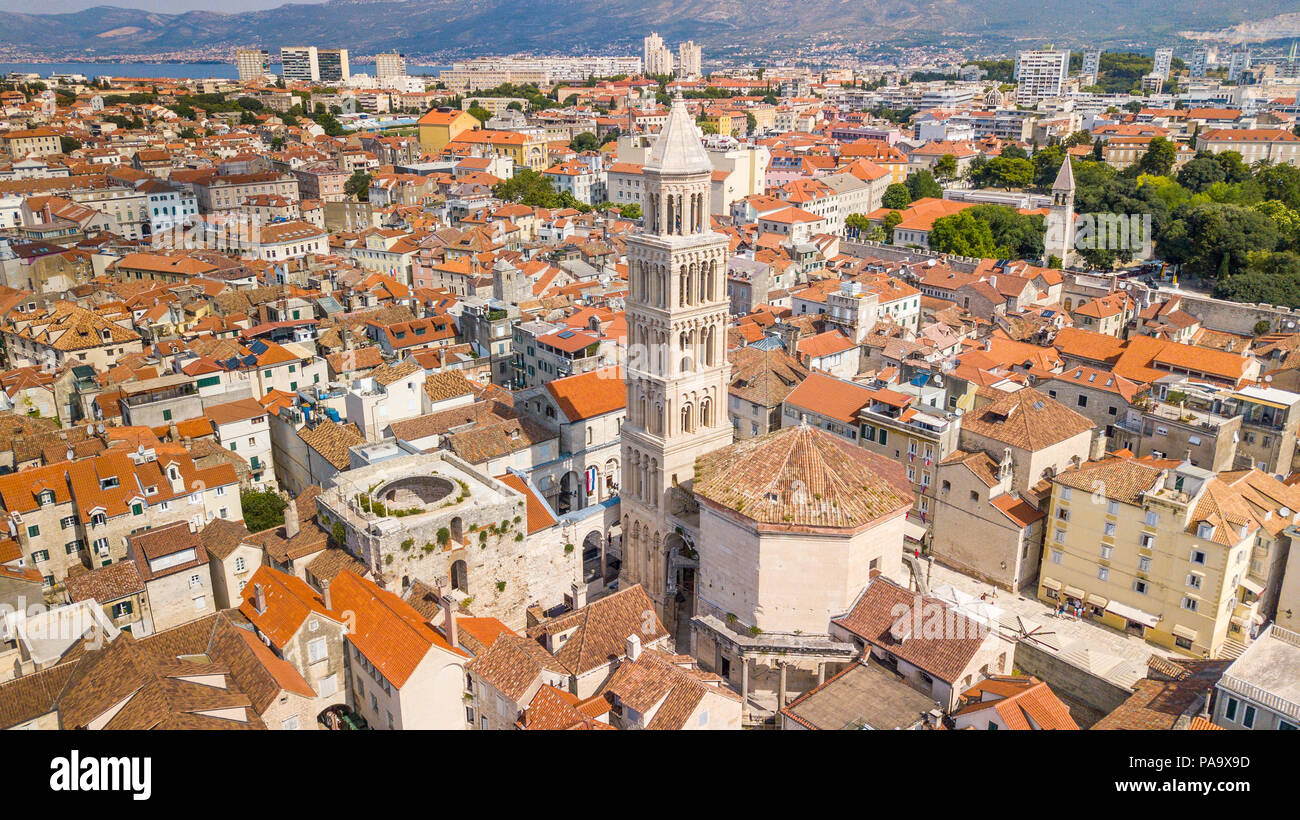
259	347
566	334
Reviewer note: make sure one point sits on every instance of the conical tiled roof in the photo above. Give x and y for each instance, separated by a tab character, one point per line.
802	477
678	149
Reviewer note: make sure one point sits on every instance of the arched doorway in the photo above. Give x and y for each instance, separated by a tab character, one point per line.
593	559
572	495
460	576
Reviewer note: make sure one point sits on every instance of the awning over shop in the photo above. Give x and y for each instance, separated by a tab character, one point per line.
1132	613
914	530
1051	583
1183	632
1097	600
1255	587
1073	592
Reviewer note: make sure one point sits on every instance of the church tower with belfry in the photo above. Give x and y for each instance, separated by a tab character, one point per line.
1059	241
677	373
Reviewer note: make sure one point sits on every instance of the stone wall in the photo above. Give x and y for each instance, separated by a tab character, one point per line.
1073	684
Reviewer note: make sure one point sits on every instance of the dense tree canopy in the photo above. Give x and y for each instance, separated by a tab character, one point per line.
1212	240
921	184
896	196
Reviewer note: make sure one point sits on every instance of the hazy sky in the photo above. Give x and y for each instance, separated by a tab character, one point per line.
172	6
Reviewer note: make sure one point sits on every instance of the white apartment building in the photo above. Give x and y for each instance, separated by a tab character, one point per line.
689	60
1163	62
299	64
333	65
390	65
252	64
656	57
1040	74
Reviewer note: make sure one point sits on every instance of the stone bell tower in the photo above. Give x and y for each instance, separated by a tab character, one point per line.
677	374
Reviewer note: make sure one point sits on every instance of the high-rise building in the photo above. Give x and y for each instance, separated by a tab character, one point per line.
689	62
1200	57
390	65
1091	67
299	64
1164	62
1238	63
1040	74
657	59
677	373
252	64
333	65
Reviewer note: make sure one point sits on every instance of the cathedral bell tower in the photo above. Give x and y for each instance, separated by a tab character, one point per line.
677	373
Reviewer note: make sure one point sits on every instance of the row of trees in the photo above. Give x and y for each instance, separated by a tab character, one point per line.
1232	225
528	187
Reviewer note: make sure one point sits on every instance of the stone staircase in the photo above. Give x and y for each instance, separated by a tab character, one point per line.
1231	649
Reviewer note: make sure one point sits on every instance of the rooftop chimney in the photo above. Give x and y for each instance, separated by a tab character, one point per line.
259	598
291	520
632	647
579	591
325	593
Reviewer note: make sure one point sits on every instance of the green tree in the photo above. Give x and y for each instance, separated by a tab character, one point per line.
1200	173
630	210
263	509
479	113
1077	138
1212	240
921	184
1280	182
891	222
946	167
69	144
1015	235
896	196
586	141
963	234
1159	157
1047	162
751	122
1287	220
858	224
358	186
529	188
1005	172
1270	278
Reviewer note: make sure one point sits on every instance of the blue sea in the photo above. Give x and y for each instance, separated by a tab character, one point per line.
187	71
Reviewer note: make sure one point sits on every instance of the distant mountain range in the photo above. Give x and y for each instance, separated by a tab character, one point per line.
431	27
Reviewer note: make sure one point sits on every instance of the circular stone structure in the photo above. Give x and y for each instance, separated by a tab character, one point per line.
425	490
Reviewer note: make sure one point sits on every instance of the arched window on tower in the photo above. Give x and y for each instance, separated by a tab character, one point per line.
706	413
688	423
